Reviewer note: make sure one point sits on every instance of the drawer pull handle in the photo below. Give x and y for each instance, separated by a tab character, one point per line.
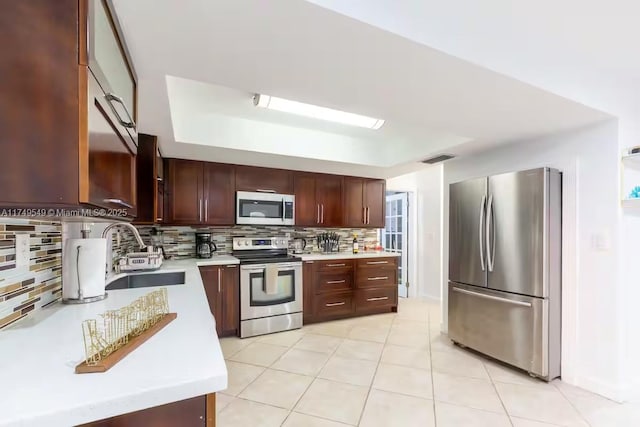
336	265
334	304
378	278
231	266
334	282
377	299
377	262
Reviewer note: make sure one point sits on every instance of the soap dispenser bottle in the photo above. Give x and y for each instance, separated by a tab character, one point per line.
355	243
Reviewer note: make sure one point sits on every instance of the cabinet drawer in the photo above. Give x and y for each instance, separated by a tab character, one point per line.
335	265
329	282
335	304
368	299
377	262
377	277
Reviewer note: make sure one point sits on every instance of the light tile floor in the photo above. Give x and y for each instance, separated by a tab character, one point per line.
393	370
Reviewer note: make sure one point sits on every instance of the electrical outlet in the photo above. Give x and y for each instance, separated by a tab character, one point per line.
22	250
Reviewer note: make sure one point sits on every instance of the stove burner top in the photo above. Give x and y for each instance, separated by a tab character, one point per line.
264	256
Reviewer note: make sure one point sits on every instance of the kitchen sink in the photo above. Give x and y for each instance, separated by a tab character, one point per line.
147	280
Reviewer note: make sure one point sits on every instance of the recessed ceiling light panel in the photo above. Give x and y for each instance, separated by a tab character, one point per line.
316	112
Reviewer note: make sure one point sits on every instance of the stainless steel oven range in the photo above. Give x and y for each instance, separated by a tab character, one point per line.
270	285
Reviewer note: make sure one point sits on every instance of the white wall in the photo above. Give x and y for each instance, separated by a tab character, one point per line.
593	343
425	229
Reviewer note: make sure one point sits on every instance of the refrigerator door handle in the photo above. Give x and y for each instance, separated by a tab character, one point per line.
491	235
480	231
493	298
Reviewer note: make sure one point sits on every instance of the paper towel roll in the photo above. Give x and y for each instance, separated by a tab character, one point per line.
83	268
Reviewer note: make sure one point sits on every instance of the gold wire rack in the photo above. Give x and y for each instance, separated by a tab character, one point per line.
118	332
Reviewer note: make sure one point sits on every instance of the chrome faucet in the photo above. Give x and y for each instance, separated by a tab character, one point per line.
130	227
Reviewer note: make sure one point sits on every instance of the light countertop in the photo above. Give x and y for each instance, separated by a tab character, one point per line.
346	255
38	356
215	260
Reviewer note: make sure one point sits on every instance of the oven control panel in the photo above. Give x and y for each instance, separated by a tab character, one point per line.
253	243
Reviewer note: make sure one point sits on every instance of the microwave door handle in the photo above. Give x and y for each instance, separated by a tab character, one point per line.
283	209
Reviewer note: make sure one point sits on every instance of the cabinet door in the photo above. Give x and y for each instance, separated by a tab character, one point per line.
111	157
249	178
185	191
329	195
230	300
211	280
374	196
39	103
148	187
184	413
219	194
307	291
109	63
307	208
354	212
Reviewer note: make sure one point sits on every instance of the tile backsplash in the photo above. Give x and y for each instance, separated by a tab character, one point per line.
27	289
179	242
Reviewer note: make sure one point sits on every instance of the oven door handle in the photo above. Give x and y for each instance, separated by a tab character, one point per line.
284	267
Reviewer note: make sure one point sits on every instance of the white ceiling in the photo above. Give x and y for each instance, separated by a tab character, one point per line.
218	53
585	50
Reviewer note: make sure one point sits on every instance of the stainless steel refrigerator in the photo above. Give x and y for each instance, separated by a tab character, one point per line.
505	268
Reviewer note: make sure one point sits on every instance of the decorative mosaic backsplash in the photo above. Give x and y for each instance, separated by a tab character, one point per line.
23	291
179	242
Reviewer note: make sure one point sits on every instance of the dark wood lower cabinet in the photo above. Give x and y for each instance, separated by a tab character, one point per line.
222	287
196	412
335	289
307	291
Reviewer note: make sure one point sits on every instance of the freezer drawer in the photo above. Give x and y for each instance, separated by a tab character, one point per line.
511	328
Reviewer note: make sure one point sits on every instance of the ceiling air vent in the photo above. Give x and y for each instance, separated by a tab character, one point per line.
438	159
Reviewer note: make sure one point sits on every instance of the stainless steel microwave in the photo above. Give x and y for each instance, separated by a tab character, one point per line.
265	208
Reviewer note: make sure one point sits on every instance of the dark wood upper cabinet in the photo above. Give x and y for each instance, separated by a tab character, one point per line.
318	199
375	201
250	178
185	190
364	202
70	137
219	194
149	181
354	208
307	208
200	193
329	196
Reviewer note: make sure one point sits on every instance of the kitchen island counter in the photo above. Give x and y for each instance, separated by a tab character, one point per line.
38	357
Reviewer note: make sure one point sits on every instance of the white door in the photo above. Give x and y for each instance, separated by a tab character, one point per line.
395	236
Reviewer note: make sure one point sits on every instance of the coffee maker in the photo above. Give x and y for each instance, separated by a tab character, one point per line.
204	245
